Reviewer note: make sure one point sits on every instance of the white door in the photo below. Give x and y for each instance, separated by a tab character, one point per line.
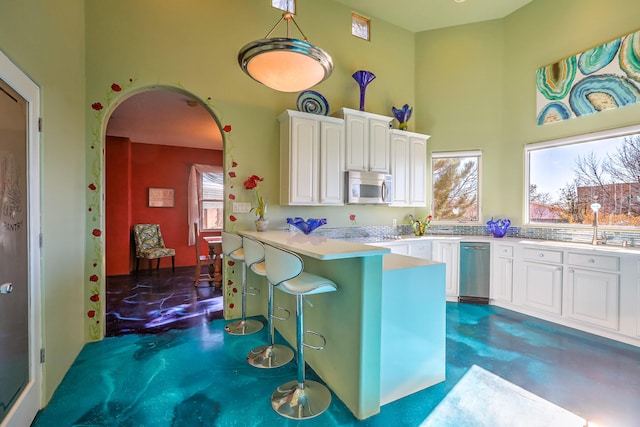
20	340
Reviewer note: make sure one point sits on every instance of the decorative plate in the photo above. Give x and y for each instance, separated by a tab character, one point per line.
310	101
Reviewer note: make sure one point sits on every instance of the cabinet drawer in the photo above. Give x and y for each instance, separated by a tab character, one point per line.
542	255
504	251
598	262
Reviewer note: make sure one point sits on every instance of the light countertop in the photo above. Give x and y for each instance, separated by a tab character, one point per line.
317	247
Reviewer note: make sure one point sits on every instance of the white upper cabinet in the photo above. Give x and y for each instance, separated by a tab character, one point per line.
367	140
409	168
311	159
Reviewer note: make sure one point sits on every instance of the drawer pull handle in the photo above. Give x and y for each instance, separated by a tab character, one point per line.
591	261
541	255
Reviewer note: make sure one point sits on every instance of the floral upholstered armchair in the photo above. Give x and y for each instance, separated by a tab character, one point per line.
150	245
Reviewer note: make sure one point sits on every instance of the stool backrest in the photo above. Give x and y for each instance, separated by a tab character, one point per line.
230	242
281	264
253	251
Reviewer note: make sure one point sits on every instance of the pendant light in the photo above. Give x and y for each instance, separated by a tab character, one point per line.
285	64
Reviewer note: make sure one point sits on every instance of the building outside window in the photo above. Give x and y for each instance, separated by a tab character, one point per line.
565	177
212	201
455	182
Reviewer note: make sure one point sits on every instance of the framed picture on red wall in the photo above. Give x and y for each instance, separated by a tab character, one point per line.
161	197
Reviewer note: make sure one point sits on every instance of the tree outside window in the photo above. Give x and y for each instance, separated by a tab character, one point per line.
455	181
212	201
567	176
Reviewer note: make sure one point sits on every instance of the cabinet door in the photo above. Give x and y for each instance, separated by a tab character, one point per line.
447	252
421	250
593	297
543	287
357	142
304	146
331	164
502	283
418	172
400	155
378	145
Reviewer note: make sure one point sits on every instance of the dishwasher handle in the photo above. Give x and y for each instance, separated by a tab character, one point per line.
477	248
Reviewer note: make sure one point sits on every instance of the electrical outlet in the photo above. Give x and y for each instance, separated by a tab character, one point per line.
395	222
241	207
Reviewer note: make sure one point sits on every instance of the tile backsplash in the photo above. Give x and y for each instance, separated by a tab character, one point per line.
382	232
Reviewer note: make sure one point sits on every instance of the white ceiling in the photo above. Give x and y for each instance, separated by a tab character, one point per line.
163	117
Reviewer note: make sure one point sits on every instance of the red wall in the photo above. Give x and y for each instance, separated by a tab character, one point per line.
131	168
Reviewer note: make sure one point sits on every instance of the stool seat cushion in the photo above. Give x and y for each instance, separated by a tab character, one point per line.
307	284
259	268
237	255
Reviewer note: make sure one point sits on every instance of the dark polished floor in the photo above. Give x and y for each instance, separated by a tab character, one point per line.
154	301
199	377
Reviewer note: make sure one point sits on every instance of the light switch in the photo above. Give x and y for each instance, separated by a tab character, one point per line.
241	207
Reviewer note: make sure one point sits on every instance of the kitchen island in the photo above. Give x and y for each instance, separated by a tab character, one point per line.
385	326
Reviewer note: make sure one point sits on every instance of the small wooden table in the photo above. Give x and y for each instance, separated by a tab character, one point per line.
215	252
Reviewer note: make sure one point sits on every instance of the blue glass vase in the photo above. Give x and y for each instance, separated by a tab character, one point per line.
306	226
363	78
402	115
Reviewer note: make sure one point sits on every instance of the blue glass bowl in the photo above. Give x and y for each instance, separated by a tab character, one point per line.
306	226
499	227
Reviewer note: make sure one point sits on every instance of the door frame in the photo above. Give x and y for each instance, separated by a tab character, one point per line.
30	401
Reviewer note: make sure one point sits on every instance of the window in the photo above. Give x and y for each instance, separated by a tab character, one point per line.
286	5
455	178
565	177
360	26
212	201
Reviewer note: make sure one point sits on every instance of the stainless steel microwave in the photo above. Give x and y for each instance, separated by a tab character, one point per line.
368	188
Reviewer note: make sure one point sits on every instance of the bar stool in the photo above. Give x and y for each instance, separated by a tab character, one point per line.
298	399
270	355
232	247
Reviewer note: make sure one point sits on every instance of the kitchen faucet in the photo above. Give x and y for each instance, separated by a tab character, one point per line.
597	240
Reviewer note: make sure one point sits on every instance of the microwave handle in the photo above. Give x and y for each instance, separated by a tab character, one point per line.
384	191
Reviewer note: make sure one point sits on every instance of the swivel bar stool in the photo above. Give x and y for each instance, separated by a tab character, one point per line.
270	355
232	247
298	399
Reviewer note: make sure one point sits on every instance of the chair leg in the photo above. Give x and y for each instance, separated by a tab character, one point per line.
300	399
271	355
173	263
137	265
158	264
244	326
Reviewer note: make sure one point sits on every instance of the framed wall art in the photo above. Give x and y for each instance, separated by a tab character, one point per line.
161	197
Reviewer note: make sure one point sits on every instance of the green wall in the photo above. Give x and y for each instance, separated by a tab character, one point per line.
46	40
472	88
475	87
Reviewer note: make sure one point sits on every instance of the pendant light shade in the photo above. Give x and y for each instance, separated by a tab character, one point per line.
285	64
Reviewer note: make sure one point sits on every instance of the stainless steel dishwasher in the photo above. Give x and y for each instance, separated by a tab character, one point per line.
474	272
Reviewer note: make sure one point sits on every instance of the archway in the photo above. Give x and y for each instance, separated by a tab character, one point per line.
151	140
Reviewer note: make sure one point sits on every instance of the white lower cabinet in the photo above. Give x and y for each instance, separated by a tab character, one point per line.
448	252
592	289
592	297
399	248
542	280
421	249
502	273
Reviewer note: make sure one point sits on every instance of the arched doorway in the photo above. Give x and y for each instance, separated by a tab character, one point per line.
152	139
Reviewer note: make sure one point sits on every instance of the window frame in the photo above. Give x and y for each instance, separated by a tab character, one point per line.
364	21
449	154
562	142
202	200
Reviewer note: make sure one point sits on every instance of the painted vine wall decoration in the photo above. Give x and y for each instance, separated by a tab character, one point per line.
95	282
602	78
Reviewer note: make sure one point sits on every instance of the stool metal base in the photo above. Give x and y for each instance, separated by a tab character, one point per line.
243	327
300	401
270	356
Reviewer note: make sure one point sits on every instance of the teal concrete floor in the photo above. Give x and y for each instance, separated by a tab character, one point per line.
199	376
